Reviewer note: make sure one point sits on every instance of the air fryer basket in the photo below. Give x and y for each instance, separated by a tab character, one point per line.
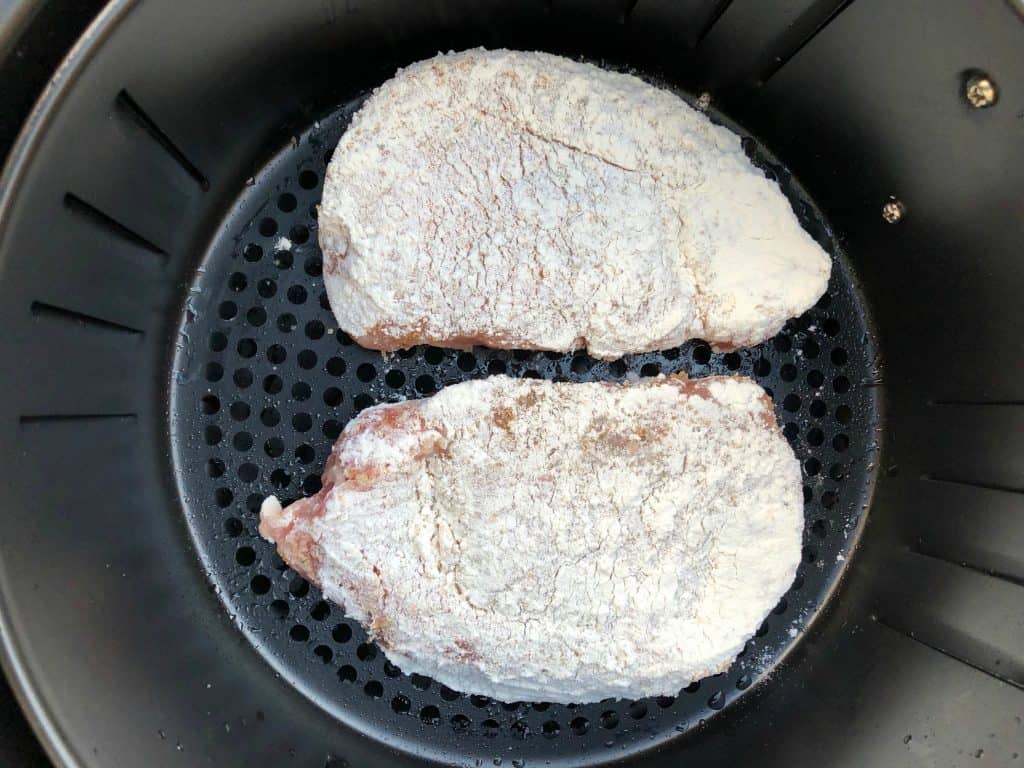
171	360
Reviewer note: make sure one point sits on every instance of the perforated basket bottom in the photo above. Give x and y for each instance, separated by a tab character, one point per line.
264	381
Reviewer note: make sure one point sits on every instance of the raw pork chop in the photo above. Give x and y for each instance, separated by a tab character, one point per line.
523	200
528	540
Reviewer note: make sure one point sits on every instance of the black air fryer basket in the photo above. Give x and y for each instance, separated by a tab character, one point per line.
170	359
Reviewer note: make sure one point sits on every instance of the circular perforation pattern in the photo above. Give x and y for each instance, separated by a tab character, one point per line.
267	381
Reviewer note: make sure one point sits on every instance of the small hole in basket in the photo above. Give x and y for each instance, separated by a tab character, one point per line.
268	227
650	369
242	441
496	367
762	367
433	355
286	202
212	434
840	443
717	700
298	587
214	371
256	316
843	414
701	354
361	402
283	259
248	473
314	330
839	356
425	384
308	179
366	372
812	466
787	372
314	267
298	234
324	653
366	652
286	323
302	422
782	343
245	556
815	437
218	341
279	609
297	294
342	633
247	348
401	704
818	409
430	715
266	288
332	397
419	682
609	719
210	404
260	584
550	729
841	385
347	673
461	722
815	379
579	725
237	282
638	710
252	252
335	366
466	362
791	403
301	391
299	633
374	689
242	378
448	694
307	359
270	417
215	468
280	479
233	527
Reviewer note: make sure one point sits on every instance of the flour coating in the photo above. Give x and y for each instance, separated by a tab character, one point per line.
524	200
539	541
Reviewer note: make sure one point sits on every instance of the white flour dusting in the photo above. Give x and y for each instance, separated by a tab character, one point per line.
525	200
528	540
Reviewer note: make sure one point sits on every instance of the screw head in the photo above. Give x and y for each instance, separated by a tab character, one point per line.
980	91
893	211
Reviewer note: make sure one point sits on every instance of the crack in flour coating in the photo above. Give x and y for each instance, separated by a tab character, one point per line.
530	540
523	200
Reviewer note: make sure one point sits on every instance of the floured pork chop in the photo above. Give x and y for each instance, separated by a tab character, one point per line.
523	200
528	540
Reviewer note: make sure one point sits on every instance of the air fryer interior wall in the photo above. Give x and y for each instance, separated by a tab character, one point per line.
127	210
